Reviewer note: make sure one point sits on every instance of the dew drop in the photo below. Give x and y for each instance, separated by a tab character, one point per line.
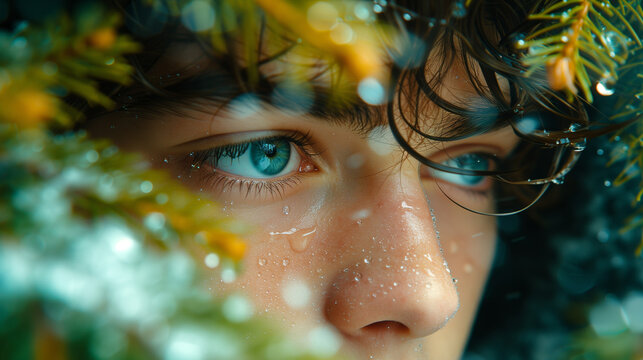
559	180
616	45
606	86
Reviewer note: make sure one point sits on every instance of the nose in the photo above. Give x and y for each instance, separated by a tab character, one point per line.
393	279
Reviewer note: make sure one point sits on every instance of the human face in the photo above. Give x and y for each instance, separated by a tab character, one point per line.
349	234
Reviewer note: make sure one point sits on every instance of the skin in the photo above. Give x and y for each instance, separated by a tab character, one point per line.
375	244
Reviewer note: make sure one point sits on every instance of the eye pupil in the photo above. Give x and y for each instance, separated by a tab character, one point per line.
270	156
270	150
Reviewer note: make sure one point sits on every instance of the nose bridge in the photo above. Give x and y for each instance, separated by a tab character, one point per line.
396	273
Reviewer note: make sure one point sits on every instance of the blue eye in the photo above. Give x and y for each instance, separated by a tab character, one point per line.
469	161
264	158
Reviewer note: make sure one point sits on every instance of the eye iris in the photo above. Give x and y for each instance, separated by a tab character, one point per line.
270	156
469	162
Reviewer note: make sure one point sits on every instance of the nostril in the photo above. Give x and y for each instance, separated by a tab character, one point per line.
386	327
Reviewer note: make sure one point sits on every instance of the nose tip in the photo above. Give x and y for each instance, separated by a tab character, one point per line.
406	304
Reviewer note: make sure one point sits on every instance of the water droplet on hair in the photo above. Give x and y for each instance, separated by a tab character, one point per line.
600	152
564	38
607	183
559	180
377	8
407	17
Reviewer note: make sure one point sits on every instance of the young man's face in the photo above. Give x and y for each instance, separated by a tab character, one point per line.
350	235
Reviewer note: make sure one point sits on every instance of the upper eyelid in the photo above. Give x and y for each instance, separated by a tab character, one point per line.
219	141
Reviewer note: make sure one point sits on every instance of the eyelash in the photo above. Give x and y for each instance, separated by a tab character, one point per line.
274	187
302	141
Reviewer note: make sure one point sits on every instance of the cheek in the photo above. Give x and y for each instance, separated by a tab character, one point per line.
469	242
285	266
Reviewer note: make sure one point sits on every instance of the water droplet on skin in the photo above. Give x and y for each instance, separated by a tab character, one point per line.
357	277
366	261
406	206
361	214
286	210
285	262
455	281
298	239
261	262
